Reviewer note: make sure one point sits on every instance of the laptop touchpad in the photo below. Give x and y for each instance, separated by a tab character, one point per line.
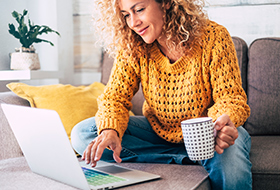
112	169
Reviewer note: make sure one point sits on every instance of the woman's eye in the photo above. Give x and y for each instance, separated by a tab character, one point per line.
125	16
140	10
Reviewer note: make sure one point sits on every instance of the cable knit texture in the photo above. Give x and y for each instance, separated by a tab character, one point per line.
207	82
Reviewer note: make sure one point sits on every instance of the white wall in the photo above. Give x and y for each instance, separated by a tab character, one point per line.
8	42
248	19
57	14
45	13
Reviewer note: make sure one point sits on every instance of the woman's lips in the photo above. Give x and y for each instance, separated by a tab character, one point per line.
143	31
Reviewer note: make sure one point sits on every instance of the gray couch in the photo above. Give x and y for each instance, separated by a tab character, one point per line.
259	65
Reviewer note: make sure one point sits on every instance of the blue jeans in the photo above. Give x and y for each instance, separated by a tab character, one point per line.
230	170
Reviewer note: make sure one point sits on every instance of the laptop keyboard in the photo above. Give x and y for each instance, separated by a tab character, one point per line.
96	178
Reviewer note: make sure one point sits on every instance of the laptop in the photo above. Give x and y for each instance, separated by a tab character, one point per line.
48	152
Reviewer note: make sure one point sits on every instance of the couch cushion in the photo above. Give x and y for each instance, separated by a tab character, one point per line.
264	155
264	87
15	174
242	56
73	104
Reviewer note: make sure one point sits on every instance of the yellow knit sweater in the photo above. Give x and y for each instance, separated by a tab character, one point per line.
205	83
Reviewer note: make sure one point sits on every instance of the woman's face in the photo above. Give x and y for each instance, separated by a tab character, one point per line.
145	17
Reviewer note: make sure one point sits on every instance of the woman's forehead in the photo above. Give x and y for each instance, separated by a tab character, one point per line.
128	4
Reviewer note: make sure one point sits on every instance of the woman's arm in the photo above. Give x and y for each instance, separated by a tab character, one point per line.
227	92
115	102
230	108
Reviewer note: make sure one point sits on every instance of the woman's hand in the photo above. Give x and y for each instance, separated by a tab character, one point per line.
226	133
107	138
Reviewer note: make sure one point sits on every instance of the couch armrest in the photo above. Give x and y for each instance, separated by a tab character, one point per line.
9	147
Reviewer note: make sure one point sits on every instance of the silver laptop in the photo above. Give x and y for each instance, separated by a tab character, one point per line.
48	152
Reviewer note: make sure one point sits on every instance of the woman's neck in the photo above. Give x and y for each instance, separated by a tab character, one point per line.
172	55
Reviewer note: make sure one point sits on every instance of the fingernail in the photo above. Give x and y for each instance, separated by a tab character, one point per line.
215	132
215	124
217	127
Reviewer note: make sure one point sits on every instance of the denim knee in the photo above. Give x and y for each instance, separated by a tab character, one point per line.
232	169
82	134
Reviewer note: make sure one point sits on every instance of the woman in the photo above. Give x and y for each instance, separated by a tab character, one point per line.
188	68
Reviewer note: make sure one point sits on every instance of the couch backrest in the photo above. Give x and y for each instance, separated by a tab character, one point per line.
9	147
137	101
242	55
264	87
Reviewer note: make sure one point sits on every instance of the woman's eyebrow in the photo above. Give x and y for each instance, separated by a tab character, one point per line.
132	7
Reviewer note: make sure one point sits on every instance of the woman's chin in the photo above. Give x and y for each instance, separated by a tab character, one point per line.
148	41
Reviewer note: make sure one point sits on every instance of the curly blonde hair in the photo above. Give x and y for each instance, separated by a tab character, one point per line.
184	22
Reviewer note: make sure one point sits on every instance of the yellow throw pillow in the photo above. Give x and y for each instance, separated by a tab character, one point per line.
73	104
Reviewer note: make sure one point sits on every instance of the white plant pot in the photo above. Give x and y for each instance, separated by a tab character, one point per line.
24	61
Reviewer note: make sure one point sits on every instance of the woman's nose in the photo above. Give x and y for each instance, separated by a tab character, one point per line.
134	21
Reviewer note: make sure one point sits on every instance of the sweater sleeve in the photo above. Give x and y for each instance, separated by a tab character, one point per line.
115	102
228	95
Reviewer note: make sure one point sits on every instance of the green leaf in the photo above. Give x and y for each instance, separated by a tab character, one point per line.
47	29
31	25
29	42
21	21
12	30
38	40
25	12
12	27
36	30
32	35
15	14
17	35
27	33
24	28
24	42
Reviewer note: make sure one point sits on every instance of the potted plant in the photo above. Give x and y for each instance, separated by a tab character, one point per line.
27	33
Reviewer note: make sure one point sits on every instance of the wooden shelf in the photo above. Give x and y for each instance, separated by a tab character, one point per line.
9	75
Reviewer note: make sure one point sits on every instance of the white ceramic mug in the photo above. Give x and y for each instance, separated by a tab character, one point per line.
199	138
